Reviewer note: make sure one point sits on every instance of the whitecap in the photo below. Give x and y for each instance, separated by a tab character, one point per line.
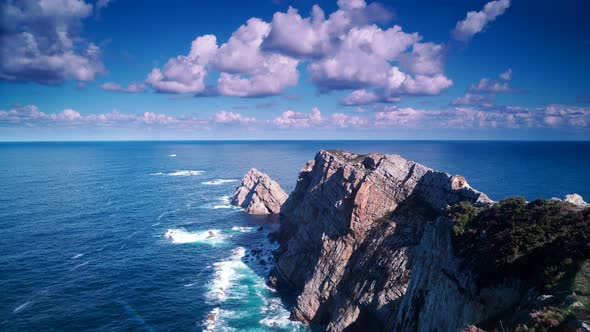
186	173
224	206
21	307
172	155
181	236
80	265
276	316
242	229
77	256
216	182
181	173
226	272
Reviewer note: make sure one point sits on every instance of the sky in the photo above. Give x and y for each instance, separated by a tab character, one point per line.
305	69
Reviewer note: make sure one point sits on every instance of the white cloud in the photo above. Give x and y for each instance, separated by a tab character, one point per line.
359	97
292	119
225	117
246	70
41	42
475	22
131	88
30	116
483	94
185	74
298	120
345	51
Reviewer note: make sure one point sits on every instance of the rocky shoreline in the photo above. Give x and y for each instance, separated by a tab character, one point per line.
366	243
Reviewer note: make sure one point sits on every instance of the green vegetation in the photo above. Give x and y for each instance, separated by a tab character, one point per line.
541	242
545	244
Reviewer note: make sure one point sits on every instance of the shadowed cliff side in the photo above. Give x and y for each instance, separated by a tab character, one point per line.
348	231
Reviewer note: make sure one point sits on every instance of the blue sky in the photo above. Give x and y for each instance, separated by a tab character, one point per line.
443	69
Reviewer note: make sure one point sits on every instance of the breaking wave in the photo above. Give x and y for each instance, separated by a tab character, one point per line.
181	236
218	182
181	173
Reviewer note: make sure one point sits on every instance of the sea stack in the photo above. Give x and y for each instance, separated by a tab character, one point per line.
258	194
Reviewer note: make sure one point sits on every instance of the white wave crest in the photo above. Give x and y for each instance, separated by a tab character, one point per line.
218	182
181	236
181	173
226	272
242	229
80	265
276	316
77	256
21	307
186	173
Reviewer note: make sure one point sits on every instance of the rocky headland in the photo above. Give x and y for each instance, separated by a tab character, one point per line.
377	242
258	194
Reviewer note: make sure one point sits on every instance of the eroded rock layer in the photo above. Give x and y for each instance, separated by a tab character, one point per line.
258	194
349	233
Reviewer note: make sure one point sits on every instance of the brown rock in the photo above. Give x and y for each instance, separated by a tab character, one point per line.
258	194
348	231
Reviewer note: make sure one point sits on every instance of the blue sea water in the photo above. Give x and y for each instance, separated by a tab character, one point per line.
113	236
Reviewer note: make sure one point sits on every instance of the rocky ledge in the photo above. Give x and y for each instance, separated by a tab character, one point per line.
258	194
377	242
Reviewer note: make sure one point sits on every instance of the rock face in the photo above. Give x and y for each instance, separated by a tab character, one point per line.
258	194
442	294
351	233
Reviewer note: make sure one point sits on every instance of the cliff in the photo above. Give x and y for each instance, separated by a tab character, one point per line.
348	233
377	242
258	194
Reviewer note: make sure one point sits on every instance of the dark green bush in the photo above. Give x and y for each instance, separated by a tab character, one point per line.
541	243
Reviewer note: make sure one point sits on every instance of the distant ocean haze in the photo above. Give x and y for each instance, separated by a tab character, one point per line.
141	235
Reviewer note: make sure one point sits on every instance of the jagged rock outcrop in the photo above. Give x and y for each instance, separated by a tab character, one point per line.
350	232
443	294
258	194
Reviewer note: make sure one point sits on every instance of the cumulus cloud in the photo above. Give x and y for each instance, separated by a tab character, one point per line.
41	42
475	22
359	97
31	116
552	116
483	94
292	119
185	74
245	69
346	50
225	117
300	120
131	88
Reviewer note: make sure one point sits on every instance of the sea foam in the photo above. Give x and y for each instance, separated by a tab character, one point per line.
180	173
216	182
181	236
226	273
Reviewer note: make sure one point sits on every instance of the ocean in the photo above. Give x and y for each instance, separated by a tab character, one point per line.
114	236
